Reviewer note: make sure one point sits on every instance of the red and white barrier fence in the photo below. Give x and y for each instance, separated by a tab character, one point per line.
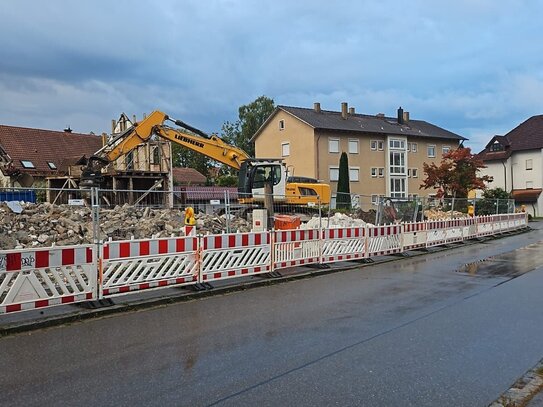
142	264
414	235
384	240
235	255
296	247
36	278
343	244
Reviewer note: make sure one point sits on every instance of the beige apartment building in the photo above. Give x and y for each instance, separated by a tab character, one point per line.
386	154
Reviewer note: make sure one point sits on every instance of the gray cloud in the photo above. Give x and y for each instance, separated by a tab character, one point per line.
471	66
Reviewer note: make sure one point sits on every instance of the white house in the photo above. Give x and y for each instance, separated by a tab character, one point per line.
515	161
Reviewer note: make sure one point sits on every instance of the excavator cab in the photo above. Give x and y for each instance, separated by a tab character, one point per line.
255	173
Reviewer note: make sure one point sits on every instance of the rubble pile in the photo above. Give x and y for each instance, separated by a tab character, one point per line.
338	220
213	224
438	214
42	225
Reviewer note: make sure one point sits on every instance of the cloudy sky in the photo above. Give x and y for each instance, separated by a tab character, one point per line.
474	67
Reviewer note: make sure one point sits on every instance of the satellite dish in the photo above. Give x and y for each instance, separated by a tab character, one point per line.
25	180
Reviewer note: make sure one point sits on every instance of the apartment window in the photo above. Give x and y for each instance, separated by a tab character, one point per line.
354	174
374	172
414	172
397	187
396	144
333	145
285	149
431	151
380	145
381	172
408	146
529	184
334	173
445	149
51	165
409	173
397	162
27	164
374	199
281	125
373	145
353	146
529	164
414	147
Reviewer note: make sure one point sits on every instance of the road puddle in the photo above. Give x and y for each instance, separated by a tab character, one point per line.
511	264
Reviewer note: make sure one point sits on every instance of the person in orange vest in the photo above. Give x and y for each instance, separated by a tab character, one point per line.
471	211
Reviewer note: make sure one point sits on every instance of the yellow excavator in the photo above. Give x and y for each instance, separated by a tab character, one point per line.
254	173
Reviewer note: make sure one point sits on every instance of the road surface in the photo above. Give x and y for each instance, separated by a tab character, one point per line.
447	328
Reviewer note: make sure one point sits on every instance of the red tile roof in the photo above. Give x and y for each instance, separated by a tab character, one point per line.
188	176
43	146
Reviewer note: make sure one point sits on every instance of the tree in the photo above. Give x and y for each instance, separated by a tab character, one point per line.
495	200
343	199
183	157
456	175
251	117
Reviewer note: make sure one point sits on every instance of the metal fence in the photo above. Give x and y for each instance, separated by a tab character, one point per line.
61	216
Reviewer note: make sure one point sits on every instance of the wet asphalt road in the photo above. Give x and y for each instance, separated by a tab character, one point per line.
442	329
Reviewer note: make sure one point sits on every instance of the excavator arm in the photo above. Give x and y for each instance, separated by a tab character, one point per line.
187	136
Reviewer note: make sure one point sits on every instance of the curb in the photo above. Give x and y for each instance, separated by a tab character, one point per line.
523	390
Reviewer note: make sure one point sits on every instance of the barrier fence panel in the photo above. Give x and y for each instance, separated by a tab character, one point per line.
383	240
414	235
37	278
132	265
343	244
436	233
453	231
296	247
235	255
469	228
484	226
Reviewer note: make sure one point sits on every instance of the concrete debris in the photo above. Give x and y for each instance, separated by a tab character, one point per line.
338	220
438	214
44	225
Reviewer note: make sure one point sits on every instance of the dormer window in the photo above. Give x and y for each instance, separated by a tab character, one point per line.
27	164
496	147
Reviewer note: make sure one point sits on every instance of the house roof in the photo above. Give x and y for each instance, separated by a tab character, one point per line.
526	195
188	176
362	123
526	136
43	146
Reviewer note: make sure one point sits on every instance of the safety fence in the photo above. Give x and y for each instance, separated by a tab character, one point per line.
38	278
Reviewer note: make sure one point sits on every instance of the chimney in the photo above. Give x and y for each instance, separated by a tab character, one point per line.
113	125
317	107
351	110
134	121
400	115
67	130
344	109
406	117
104	139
